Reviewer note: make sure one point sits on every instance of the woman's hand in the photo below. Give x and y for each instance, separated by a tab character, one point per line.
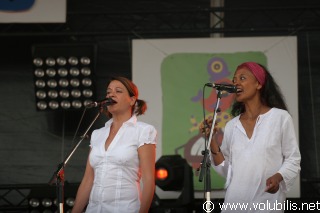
273	183
205	127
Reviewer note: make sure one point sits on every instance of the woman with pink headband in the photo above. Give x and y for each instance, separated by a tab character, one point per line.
259	155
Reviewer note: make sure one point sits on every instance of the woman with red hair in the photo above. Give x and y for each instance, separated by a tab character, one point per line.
122	153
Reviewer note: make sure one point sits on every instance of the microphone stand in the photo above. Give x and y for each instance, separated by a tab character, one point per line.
58	176
206	163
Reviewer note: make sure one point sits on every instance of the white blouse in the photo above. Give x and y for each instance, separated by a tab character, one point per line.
250	162
117	172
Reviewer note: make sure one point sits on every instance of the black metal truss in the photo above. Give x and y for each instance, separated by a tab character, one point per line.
175	22
287	20
14	198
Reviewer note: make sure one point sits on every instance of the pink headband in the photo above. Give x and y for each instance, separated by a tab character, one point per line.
256	70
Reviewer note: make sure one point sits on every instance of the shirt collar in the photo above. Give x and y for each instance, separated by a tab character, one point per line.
132	121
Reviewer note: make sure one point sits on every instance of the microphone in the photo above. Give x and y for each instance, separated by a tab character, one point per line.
104	102
230	88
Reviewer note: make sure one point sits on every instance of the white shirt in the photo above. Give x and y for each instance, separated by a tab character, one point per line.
250	162
117	174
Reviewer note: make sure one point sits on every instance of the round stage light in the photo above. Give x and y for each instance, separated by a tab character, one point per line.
41	94
74	71
86	71
75	82
73	60
34	202
52	94
161	174
65	104
85	60
61	61
87	82
42	105
63	82
52	83
70	201
64	93
170	170
39	73
76	104
87	93
50	62
46	202
87	102
40	83
53	105
51	72
63	72
38	62
55	202
75	93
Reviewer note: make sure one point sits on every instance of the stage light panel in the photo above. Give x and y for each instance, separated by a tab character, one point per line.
63	76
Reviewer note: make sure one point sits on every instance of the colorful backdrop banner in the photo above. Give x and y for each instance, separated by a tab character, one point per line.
183	76
171	74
